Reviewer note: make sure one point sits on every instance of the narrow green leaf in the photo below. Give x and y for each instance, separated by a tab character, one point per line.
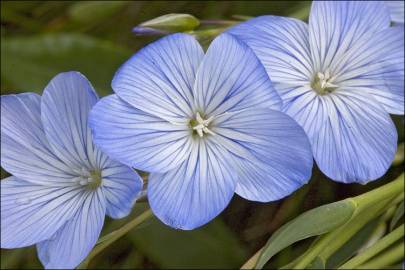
318	263
28	63
311	223
399	213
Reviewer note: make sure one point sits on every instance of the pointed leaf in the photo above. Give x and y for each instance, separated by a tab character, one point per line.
311	223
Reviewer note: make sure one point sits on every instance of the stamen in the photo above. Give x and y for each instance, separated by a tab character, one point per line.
323	82
201	125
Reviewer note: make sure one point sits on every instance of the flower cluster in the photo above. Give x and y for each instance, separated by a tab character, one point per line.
247	117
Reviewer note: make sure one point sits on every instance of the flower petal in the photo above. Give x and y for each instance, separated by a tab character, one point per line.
376	64
159	78
280	159
396	9
335	26
353	138
66	103
25	151
136	138
73	242
231	78
121	186
31	213
197	191
282	46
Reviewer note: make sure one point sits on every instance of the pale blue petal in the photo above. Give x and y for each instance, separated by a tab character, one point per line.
73	242
25	151
138	139
282	46
231	78
31	213
335	26
353	138
280	156
376	65
196	192
396	9
121	186
159	78
66	103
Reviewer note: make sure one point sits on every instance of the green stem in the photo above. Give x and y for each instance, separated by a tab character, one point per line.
115	235
386	259
382	244
389	190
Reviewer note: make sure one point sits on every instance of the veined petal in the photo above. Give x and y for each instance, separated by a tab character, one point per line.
31	213
376	64
281	156
196	192
282	46
25	151
231	78
121	186
73	242
335	26
66	103
396	9
138	139
353	138
159	78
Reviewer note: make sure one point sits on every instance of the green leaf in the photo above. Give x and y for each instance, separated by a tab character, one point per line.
28	63
399	213
318	263
311	223
351	247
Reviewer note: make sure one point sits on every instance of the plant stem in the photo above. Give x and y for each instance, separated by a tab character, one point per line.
382	244
115	235
386	259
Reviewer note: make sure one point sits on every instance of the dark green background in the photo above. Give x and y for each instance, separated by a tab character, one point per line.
42	38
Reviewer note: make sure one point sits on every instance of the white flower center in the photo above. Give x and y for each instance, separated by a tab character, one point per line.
201	126
91	179
323	83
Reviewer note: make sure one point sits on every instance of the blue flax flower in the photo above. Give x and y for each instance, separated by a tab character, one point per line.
396	9
339	77
62	185
204	125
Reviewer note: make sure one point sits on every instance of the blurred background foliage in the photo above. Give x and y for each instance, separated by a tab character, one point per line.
42	38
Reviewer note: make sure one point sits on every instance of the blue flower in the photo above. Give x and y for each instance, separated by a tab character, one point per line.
396	9
204	125
339	78
62	185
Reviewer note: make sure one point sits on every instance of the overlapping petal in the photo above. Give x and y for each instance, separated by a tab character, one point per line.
25	151
273	154
73	242
31	213
121	186
396	9
231	78
353	138
335	26
65	106
159	78
196	192
376	64
138	139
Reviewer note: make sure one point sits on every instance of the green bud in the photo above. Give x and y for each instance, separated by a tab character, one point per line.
168	23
